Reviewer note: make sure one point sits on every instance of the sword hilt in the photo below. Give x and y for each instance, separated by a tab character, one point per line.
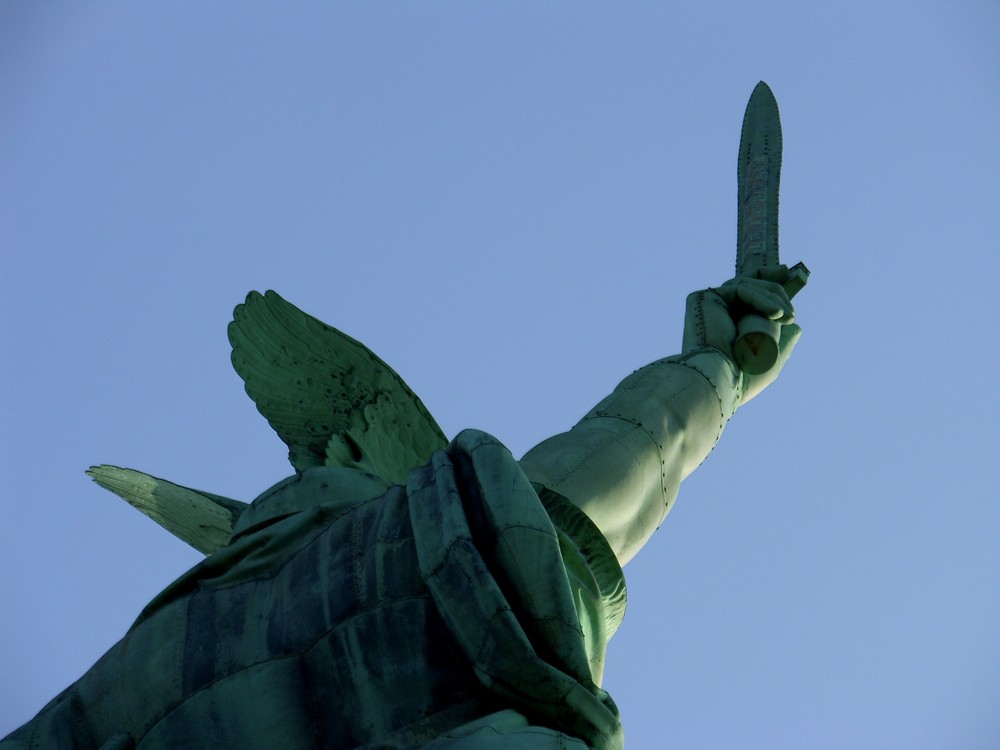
756	347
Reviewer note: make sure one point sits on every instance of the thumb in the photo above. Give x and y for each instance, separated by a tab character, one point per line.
790	335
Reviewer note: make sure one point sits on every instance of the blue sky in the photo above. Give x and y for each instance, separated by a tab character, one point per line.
509	203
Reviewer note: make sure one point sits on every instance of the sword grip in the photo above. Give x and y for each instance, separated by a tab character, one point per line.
756	347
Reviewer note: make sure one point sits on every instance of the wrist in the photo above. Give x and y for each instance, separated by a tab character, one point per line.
722	374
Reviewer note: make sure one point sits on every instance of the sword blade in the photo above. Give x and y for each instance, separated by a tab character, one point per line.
758	174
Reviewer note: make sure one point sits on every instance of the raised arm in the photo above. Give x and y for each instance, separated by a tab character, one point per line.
623	463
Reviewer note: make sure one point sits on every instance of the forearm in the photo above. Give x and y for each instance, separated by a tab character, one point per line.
623	462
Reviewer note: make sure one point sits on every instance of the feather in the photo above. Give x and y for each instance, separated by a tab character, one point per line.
330	399
203	520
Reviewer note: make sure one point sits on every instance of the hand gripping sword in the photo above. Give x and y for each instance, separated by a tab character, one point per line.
758	172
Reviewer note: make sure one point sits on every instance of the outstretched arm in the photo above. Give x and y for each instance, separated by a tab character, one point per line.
623	463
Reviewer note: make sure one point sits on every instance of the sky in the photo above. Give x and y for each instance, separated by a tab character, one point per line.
509	202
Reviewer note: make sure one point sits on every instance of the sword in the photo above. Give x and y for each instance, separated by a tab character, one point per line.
758	173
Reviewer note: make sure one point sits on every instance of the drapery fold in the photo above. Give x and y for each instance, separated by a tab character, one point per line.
446	614
491	558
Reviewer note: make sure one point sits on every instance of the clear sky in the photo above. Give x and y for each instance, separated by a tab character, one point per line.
508	202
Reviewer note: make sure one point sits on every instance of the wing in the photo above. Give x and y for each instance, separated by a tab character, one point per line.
203	520
329	398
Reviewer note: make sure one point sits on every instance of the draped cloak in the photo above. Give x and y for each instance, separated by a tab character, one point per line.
467	609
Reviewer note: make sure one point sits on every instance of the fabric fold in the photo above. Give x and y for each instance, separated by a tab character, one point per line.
491	559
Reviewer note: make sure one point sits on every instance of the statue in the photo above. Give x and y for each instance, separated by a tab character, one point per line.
403	591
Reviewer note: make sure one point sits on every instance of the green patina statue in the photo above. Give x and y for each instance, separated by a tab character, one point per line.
399	590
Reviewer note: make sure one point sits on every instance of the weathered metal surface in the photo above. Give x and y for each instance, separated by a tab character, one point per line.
758	175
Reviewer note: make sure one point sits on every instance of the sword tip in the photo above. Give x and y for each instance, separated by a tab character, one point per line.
762	89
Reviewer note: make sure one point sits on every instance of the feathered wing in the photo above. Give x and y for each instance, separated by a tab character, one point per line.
203	520
329	398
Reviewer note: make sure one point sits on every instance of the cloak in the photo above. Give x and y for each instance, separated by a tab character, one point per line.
466	609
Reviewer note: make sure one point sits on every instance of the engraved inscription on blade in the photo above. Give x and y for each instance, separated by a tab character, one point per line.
758	175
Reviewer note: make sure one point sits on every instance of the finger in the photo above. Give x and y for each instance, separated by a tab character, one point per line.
767	285
768	299
790	336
